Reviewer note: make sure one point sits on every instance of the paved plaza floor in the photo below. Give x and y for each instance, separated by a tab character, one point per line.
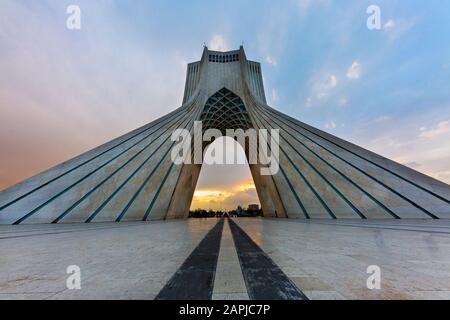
240	258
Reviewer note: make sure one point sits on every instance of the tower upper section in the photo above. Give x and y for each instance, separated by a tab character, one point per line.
229	69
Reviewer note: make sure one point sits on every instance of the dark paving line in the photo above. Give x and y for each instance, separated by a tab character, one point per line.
69	231
374	222
264	279
62	227
400	226
373	227
194	280
78	226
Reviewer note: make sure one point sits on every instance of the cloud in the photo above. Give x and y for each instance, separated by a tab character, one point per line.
427	151
440	129
382	119
443	175
219	43
412	165
243	195
304	4
333	81
389	24
397	28
275	96
343	101
52	91
323	86
354	72
330	125
271	60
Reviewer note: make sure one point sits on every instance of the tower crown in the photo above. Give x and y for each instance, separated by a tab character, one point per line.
223	57
224	69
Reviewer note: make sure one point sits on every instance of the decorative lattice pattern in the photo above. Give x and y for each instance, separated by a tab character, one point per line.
225	110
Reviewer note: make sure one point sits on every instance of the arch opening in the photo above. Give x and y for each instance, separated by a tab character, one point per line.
224	186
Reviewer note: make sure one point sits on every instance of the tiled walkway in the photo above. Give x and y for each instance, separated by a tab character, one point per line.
320	259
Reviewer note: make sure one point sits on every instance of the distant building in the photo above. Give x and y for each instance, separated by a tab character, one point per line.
253	207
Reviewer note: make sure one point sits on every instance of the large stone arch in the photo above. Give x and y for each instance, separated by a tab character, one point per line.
225	110
133	178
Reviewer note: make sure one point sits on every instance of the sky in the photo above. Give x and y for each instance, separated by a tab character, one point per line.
224	186
63	92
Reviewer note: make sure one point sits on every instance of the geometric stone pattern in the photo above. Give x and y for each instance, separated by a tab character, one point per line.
225	110
133	178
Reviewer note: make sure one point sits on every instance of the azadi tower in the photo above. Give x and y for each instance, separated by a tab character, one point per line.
134	178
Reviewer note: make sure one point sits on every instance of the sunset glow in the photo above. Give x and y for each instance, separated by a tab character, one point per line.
242	194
